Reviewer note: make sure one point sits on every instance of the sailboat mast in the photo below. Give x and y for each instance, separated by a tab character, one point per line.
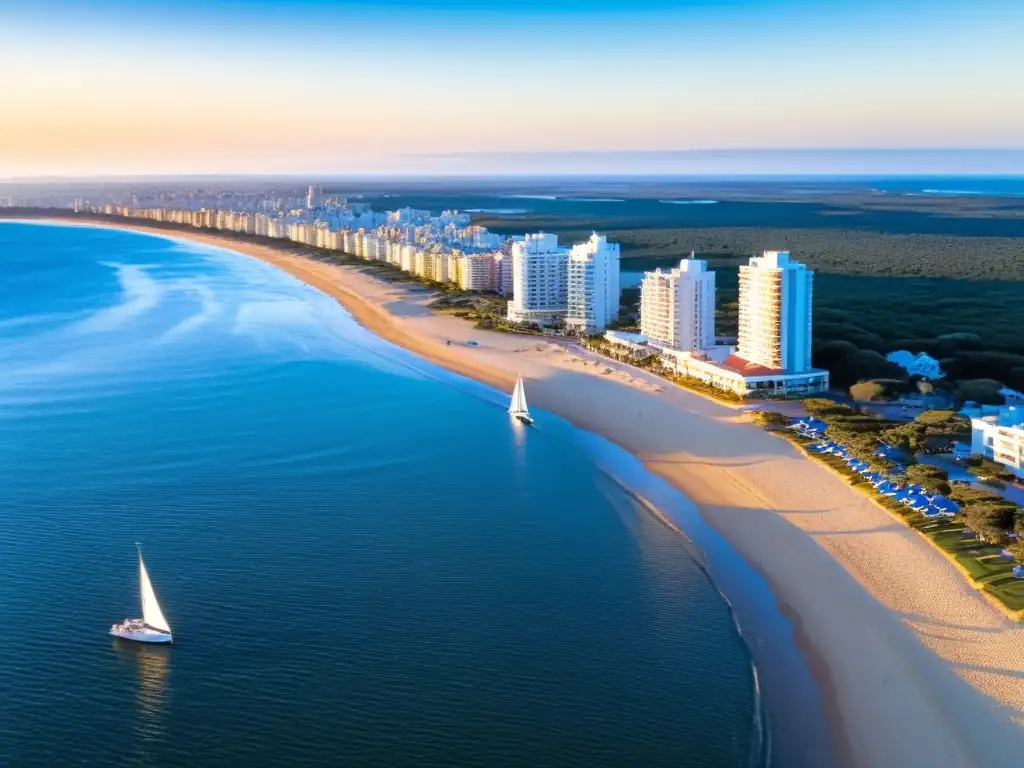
142	571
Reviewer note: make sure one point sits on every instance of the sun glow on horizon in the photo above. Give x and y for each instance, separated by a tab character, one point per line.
256	87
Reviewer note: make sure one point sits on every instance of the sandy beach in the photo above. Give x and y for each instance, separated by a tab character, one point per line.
917	668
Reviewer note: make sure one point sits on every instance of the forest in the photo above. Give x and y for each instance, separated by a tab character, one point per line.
960	299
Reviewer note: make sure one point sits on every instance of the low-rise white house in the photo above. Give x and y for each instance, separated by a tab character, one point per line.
922	364
1000	437
634	343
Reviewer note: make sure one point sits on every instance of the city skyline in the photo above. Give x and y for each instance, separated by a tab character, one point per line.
110	88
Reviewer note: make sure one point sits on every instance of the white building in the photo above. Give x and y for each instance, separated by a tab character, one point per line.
394	252
677	308
439	269
315	196
635	343
375	248
539	280
775	313
921	364
408	262
1000	437
592	290
728	372
477	272
419	263
503	272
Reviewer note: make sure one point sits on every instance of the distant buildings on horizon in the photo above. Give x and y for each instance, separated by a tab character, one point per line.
446	248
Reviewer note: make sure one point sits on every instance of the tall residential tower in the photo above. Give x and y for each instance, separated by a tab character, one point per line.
593	285
677	308
775	312
539	280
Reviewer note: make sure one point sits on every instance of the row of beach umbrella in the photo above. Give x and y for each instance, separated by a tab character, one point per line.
912	495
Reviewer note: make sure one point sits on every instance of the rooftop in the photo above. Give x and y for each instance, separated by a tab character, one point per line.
632	338
747	368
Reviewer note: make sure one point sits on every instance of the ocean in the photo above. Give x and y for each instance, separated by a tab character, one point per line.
363	560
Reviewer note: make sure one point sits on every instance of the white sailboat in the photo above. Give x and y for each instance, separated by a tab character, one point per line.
518	407
152	627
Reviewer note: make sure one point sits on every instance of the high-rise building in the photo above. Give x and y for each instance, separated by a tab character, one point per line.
503	268
408	261
677	307
539	279
477	272
775	312
592	291
315	196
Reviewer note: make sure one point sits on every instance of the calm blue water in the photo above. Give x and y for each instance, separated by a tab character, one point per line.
363	561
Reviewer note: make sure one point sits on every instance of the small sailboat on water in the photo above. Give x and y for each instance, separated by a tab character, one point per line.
518	407
152	627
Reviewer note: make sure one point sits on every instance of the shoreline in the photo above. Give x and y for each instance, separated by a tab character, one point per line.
995	602
913	664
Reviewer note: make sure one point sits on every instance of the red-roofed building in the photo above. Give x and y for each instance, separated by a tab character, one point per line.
748	368
743	377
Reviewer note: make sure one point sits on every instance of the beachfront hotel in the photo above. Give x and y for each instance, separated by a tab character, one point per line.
593	285
539	280
677	307
774	354
775	313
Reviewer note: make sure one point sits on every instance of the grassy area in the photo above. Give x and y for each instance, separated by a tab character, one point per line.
485	310
696	385
988	569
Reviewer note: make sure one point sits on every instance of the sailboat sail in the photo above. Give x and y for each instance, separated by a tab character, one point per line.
518	406
515	395
151	612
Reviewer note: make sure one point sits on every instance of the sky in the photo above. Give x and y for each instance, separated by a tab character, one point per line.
93	87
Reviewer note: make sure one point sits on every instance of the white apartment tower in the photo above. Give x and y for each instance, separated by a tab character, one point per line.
315	196
477	272
677	307
592	291
775	312
503	269
539	292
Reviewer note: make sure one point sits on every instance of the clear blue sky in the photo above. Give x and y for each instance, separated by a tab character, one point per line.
259	86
